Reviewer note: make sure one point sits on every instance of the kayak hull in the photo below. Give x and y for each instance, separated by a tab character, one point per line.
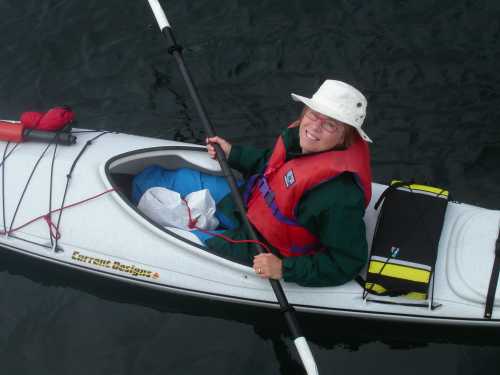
104	234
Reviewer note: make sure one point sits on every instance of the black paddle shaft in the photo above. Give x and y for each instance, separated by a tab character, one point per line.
176	51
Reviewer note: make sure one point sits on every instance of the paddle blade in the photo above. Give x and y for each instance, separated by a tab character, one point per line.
160	16
306	356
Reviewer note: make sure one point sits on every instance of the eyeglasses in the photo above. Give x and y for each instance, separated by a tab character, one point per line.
326	123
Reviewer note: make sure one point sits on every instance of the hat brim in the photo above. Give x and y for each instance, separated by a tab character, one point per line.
318	107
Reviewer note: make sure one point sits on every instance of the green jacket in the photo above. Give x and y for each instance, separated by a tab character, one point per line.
333	211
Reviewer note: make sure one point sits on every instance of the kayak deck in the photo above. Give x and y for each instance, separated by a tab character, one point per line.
110	237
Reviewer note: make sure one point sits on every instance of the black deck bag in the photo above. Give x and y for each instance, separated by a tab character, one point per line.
405	243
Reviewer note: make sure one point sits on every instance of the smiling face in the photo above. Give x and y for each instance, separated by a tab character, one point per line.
320	133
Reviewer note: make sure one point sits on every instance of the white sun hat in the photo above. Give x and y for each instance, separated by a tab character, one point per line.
339	101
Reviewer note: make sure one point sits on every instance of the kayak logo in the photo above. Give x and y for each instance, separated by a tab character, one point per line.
289	178
394	252
130	269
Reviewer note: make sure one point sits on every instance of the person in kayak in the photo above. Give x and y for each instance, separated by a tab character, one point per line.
305	197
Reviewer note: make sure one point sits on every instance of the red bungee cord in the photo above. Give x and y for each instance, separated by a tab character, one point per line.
54	232
192	225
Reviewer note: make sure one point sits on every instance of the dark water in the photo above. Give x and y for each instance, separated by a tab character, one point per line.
430	72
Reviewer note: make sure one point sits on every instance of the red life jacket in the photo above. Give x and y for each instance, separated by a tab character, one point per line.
272	198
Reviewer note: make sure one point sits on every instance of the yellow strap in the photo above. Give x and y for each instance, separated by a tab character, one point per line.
379	289
416	295
426	188
399	271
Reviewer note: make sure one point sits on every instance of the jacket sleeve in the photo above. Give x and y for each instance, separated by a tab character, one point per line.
341	230
248	160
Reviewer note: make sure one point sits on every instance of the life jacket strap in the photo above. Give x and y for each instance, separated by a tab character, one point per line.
269	198
260	182
492	288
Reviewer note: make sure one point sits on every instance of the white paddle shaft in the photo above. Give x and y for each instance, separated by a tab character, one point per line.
160	16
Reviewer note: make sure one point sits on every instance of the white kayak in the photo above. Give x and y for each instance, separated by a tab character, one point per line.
102	232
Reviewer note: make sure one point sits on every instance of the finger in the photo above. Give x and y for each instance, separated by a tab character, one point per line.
259	269
262	259
257	265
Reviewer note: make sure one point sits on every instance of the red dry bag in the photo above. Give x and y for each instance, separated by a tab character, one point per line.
52	120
